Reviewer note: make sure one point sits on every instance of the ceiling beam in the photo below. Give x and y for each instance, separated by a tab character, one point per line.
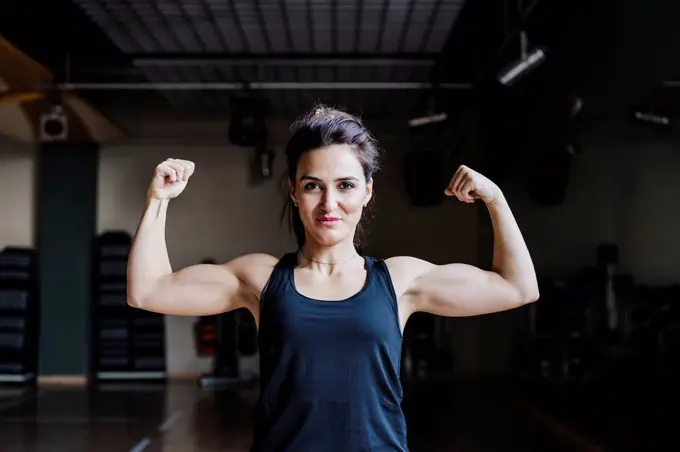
285	59
255	86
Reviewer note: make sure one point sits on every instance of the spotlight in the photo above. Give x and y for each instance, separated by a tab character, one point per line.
429	119
432	114
576	106
528	61
652	117
572	149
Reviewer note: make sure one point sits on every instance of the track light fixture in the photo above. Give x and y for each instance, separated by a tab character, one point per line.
657	118
652	118
432	114
528	61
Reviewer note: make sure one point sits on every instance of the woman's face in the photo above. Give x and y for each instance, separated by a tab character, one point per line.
331	191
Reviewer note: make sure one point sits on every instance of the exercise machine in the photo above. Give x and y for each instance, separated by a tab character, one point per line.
128	343
19	315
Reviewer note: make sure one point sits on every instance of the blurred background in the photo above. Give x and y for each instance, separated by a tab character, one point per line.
568	105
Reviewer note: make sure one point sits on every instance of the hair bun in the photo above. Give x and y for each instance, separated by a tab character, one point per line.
322	111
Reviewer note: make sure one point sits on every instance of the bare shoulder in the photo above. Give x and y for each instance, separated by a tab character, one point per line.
256	259
253	270
404	270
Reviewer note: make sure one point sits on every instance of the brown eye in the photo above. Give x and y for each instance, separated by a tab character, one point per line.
346	186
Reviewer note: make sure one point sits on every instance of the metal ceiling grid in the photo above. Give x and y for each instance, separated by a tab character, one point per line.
274	26
374	102
264	72
155	29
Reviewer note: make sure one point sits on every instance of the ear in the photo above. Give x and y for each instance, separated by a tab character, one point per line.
369	191
291	192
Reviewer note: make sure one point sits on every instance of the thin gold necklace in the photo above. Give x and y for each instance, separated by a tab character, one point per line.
327	263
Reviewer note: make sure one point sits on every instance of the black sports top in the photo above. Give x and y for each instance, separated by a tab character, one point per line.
329	369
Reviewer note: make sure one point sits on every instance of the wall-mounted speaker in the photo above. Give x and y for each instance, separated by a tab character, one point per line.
53	125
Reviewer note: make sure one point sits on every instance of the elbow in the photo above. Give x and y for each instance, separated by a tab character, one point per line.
133	302
528	291
525	295
140	296
530	296
136	299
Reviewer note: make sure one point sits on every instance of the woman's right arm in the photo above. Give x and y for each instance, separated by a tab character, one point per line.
198	290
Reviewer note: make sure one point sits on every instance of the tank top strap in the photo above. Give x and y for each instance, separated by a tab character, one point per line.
382	280
279	276
381	275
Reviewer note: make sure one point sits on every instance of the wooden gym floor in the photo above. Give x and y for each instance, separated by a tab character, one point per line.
181	417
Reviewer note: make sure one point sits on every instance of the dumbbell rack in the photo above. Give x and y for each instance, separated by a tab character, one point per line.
19	315
128	343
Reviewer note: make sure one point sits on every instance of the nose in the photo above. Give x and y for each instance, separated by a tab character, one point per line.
329	201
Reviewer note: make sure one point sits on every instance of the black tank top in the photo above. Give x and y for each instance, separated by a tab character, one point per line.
329	369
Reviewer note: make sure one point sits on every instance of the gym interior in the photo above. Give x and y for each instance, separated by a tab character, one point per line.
567	105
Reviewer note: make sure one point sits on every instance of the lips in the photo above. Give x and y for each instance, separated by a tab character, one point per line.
328	220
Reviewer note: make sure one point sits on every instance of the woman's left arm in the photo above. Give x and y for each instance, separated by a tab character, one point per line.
455	290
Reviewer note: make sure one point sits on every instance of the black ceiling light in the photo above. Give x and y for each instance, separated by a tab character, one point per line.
528	61
576	107
431	114
651	118
247	126
657	118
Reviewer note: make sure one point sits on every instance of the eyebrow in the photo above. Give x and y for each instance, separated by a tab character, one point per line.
339	179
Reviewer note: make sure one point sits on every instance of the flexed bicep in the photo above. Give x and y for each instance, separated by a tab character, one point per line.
206	289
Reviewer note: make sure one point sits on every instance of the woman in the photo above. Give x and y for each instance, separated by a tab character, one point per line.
330	321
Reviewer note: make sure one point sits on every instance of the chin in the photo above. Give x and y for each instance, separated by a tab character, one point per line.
330	237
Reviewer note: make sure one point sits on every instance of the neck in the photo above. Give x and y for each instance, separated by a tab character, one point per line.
328	256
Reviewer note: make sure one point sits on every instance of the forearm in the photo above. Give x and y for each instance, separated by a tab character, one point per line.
511	258
148	261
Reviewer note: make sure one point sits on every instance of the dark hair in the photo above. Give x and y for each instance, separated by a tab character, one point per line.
320	127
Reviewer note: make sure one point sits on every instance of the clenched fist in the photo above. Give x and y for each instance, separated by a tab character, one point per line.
171	178
468	185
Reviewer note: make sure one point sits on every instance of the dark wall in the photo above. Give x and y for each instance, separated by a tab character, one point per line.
612	54
66	215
